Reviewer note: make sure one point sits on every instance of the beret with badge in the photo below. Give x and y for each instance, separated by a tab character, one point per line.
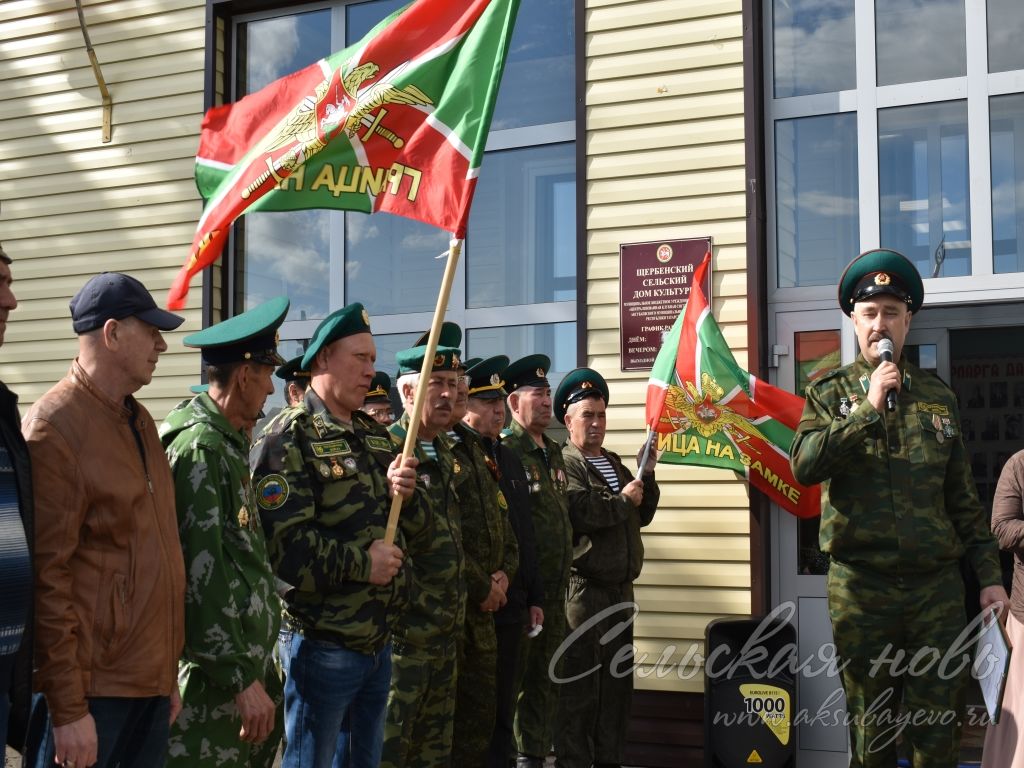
248	337
347	321
579	384
411	360
880	272
485	377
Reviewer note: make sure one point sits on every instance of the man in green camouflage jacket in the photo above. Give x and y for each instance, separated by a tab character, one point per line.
529	401
421	703
324	473
607	507
492	557
230	689
899	510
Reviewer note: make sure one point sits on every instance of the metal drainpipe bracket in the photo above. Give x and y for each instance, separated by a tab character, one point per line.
108	103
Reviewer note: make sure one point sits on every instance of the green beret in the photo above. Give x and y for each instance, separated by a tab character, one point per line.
346	321
292	370
198	389
529	371
485	380
879	272
250	336
411	360
580	384
450	336
380	387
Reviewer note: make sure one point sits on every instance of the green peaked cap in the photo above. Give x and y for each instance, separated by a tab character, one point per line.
347	321
411	360
579	384
380	388
529	371
877	272
485	381
250	336
292	370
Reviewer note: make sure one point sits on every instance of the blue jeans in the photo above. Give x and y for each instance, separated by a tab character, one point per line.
334	701
130	733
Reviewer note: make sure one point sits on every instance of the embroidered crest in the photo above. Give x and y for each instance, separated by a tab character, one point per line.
243	517
271	492
375	443
331	448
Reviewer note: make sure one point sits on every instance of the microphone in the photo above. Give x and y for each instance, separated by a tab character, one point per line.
885	350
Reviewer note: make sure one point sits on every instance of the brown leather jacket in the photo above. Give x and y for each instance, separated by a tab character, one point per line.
110	581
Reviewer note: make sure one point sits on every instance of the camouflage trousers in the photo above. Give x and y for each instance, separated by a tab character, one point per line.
593	708
538	695
897	638
421	707
476	697
206	731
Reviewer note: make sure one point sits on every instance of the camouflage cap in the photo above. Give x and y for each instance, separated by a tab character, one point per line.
250	336
877	272
529	371
411	360
347	321
485	380
380	389
579	384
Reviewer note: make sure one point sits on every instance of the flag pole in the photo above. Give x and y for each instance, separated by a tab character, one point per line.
646	454
454	250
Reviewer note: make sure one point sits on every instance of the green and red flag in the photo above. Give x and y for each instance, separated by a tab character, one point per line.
710	412
397	122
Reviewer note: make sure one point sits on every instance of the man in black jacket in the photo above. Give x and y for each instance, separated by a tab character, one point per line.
16	549
607	507
525	594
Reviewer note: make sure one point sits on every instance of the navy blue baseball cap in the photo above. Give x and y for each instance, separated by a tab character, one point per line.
115	296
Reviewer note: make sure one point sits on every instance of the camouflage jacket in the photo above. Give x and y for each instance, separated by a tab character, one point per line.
545	473
322	489
232	612
897	492
438	609
607	520
488	540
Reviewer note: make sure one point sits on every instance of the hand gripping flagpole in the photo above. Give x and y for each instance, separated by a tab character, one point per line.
454	250
642	469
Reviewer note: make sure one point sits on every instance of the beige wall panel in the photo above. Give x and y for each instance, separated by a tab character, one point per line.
622	15
681	186
74	206
666	107
641	63
693	574
667	599
658	135
722	233
670	211
672	520
667	35
643	162
639	89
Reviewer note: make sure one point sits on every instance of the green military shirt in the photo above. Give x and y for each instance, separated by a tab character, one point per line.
438	608
545	475
897	492
322	489
607	519
232	612
489	542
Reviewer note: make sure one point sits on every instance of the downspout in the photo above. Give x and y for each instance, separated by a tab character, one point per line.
108	104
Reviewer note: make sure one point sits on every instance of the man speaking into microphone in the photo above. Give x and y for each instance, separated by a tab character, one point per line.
899	510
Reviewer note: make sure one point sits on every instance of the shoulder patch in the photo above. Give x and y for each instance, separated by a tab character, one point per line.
377	443
939	409
272	492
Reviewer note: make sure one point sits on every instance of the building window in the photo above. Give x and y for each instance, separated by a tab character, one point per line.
520	248
1005	31
1007	143
813	47
917	41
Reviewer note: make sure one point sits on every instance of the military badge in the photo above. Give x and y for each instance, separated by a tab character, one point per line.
535	488
337	471
495	379
438	360
425	479
936	421
540	373
350	464
331	448
501	500
271	492
456	467
844	407
324	469
882	278
243	517
366	317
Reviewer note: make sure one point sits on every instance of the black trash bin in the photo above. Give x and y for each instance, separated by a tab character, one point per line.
749	693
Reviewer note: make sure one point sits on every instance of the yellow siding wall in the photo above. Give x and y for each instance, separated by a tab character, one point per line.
665	159
72	206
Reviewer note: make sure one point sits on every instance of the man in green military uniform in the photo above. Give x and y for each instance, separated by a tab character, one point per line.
421	702
899	510
529	400
377	404
607	507
492	557
324	473
230	689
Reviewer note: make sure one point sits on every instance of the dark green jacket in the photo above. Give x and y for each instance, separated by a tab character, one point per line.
545	474
438	609
897	492
608	520
487	536
322	489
